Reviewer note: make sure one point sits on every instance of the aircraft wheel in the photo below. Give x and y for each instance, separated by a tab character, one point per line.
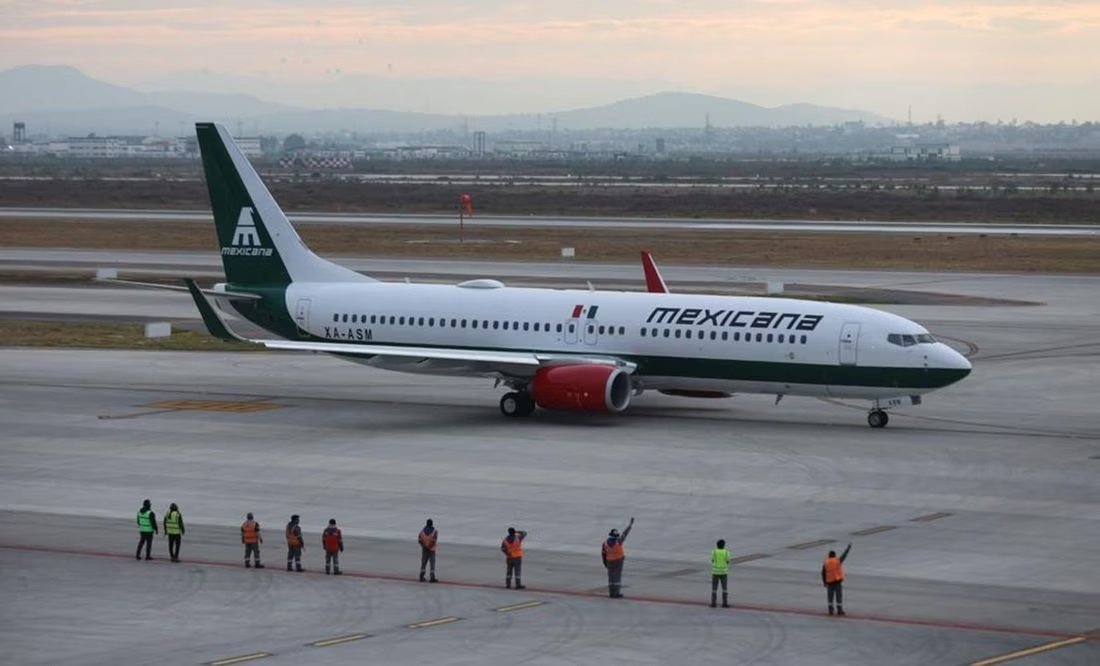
877	418
511	404
526	403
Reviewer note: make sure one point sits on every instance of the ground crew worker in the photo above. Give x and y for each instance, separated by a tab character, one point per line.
512	547
719	573
147	527
429	537
173	527
613	558
294	544
251	538
333	542
832	577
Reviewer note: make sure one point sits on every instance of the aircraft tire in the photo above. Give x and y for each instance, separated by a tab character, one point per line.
511	404
877	418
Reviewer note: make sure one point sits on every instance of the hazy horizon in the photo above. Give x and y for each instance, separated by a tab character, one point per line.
999	59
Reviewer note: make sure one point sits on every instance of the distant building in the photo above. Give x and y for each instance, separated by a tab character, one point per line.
18	133
251	146
944	152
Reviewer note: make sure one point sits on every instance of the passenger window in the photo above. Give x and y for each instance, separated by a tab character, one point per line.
736	336
666	332
803	339
496	325
485	323
345	319
431	321
770	337
725	335
601	330
558	328
713	335
336	318
622	330
781	337
687	334
526	325
591	329
453	322
677	333
463	323
759	337
643	332
401	321
473	323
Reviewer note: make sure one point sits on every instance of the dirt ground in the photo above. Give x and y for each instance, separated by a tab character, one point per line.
833	202
870	251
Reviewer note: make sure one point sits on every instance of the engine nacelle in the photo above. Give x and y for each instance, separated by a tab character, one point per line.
581	388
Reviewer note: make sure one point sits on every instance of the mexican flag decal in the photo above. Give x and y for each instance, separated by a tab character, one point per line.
586	311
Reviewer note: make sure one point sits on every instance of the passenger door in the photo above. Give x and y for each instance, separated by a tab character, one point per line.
301	317
849	343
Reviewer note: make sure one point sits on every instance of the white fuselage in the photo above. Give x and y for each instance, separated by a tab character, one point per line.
679	342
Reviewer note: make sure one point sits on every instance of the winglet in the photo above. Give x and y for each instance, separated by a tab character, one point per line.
214	323
654	283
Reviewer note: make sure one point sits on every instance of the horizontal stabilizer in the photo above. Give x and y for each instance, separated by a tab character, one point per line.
232	295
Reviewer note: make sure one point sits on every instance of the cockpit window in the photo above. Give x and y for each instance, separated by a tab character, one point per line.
905	340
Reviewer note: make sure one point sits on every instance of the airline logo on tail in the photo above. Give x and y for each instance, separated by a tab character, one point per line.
246	239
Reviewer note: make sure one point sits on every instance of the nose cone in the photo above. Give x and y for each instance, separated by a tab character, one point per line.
952	365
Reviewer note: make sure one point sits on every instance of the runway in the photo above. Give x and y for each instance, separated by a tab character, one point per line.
537	221
974	517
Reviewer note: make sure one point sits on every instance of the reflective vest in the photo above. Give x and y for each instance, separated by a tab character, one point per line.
513	548
250	531
613	552
720	562
331	539
293	535
834	570
428	539
172	523
145	521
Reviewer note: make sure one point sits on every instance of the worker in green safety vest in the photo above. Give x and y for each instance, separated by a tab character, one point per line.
173	527
719	573
147	527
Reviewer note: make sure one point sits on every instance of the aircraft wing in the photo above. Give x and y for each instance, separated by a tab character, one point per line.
476	361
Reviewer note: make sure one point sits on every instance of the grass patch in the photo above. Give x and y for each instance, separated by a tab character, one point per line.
105	335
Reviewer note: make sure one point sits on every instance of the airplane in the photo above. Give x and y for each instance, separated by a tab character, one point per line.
556	349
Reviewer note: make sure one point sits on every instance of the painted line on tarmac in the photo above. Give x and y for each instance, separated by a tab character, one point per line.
339	640
932	516
593	594
239	660
520	606
1020	654
874	530
433	623
811	544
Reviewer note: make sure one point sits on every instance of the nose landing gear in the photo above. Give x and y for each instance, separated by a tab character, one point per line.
877	418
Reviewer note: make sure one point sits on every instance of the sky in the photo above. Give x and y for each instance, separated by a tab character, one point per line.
997	59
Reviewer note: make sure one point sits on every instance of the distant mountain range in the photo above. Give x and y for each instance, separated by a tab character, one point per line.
61	100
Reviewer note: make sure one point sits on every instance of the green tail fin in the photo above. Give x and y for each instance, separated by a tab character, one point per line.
258	245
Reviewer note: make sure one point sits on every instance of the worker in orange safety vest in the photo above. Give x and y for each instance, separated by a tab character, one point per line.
512	547
294	544
332	540
613	558
832	577
428	539
250	537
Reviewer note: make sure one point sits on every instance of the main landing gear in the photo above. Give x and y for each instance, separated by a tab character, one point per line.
517	403
877	418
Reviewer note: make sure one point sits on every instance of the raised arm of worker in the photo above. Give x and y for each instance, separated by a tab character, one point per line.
844	555
626	532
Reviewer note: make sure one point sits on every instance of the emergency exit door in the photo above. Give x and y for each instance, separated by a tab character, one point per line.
849	343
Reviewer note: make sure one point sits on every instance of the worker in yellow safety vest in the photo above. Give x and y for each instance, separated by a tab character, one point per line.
147	527
719	573
173	527
832	577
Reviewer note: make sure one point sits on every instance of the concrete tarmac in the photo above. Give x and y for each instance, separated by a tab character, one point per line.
974	517
555	222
